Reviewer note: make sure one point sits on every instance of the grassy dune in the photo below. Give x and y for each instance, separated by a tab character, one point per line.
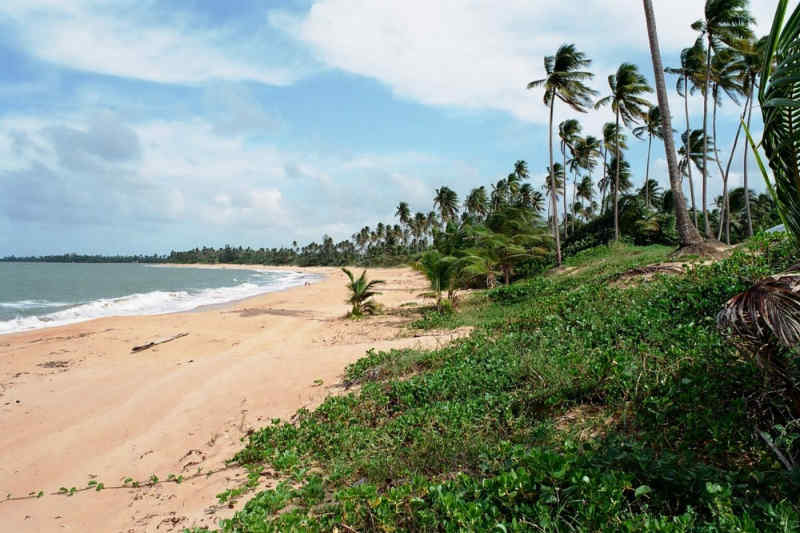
579	403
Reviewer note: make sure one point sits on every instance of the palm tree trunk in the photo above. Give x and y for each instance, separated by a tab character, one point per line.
723	213
553	202
616	184
688	232
689	142
707	226
725	194
746	147
647	173
564	157
605	180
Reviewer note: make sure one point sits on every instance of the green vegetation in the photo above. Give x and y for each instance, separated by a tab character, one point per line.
361	293
577	404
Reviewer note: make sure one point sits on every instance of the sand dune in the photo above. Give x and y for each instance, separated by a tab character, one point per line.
77	405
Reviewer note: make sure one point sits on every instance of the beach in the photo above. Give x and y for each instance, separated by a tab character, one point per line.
78	406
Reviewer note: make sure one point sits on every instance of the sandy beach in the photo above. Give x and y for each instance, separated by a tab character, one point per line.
77	405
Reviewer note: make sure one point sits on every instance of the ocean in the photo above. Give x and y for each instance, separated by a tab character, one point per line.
38	295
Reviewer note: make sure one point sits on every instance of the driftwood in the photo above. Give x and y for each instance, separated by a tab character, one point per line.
156	343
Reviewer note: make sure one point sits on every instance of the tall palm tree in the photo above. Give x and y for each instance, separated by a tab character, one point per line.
627	87
724	22
446	200
691	70
554	187
751	63
477	204
564	81
613	141
403	212
584	157
650	129
726	78
568	132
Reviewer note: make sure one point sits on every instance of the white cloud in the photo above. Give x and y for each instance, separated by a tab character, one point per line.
146	40
478	54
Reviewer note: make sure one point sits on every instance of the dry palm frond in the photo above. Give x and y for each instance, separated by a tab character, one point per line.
766	313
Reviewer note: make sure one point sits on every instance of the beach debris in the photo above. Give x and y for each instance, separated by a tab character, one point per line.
156	343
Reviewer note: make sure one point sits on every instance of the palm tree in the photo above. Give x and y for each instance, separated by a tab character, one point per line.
440	270
691	69
554	187
627	86
752	62
477	204
651	191
622	170
765	319
361	292
650	129
724	22
403	212
568	132
613	141
447	201
564	81
726	74
585	152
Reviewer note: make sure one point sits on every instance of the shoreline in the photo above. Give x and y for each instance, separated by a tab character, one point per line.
78	405
318	273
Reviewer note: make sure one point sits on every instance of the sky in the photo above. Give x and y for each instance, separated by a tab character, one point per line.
137	126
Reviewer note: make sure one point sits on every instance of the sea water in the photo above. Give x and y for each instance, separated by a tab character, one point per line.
38	295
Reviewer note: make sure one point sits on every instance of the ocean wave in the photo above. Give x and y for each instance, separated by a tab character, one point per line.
24	305
149	303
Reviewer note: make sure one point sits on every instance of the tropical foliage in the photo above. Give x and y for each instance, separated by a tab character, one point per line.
361	293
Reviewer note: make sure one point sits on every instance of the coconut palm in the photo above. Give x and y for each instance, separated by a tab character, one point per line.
441	272
751	63
621	169
691	70
613	142
650	129
403	212
568	132
446	200
585	152
651	191
531	199
765	319
554	187
565	81
361	293
627	87
477	204
723	23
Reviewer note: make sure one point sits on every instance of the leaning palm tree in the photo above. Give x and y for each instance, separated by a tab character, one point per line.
765	319
477	204
564	81
361	293
650	129
627	87
446	200
724	22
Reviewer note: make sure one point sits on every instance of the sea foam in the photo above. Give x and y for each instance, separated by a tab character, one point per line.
149	303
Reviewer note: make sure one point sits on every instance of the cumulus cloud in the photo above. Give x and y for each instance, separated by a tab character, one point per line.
477	54
187	177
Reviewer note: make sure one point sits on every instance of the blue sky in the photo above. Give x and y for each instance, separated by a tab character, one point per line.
142	126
